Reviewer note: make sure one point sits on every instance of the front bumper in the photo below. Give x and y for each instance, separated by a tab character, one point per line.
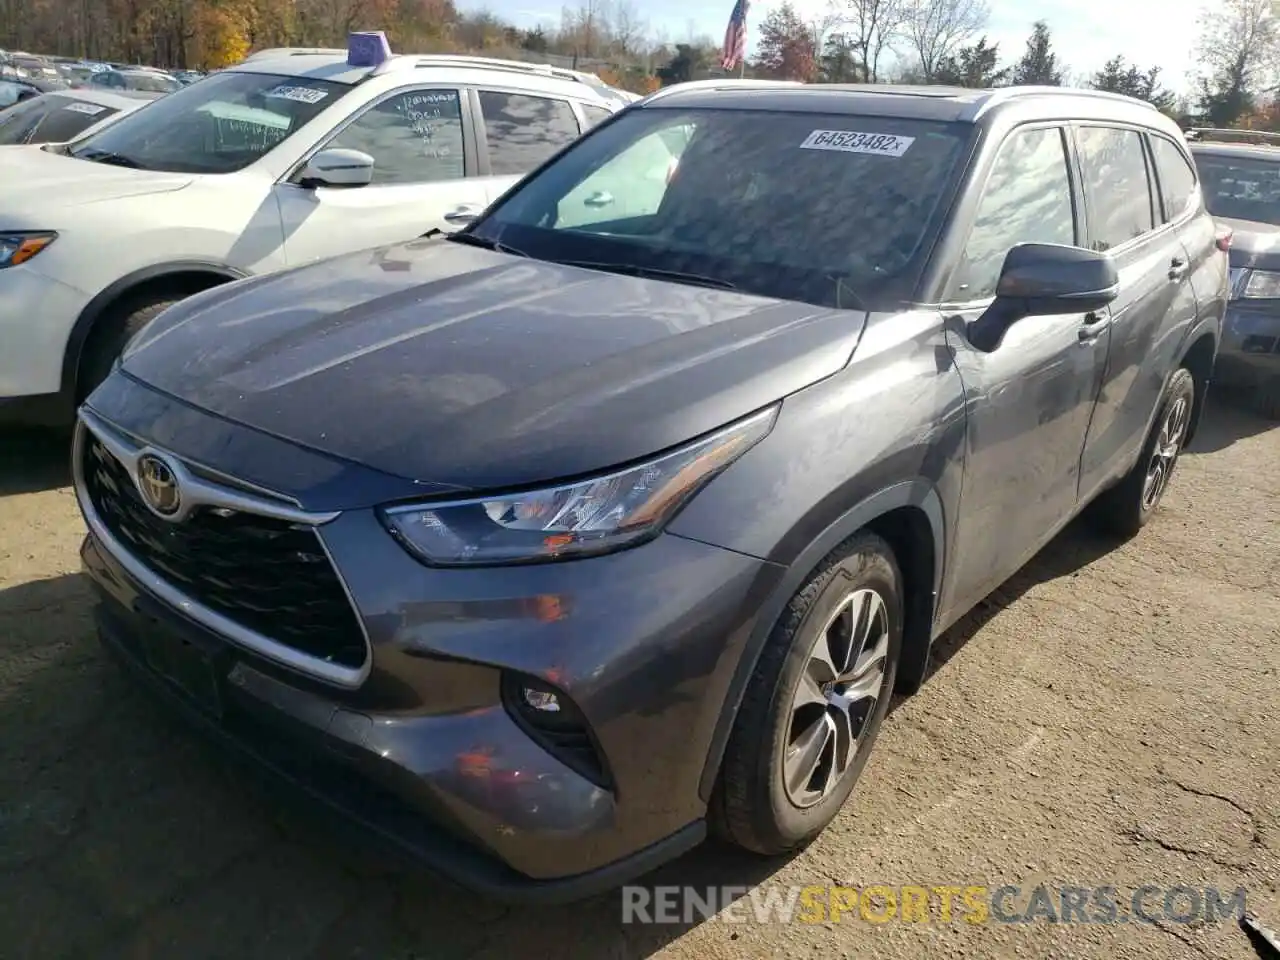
426	756
37	315
1249	356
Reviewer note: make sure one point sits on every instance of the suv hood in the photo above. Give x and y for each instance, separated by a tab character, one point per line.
457	366
31	177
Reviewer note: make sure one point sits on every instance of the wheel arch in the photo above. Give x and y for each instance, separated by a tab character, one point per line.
183	276
1198	357
909	517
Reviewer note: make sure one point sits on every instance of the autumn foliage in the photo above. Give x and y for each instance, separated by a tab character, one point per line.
207	34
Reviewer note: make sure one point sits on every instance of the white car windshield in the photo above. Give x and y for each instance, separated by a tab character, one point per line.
220	125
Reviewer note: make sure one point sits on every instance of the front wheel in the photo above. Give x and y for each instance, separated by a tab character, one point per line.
815	702
1128	506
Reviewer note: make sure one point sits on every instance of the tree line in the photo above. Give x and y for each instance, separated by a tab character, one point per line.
1237	55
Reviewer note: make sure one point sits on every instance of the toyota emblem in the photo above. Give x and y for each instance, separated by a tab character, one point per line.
158	485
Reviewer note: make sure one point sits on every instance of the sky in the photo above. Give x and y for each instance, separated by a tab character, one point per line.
1086	33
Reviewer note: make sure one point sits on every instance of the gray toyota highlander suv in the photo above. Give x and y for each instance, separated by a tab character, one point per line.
543	548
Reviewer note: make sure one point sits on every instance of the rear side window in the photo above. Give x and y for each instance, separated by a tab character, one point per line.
1116	185
1027	199
1177	178
523	130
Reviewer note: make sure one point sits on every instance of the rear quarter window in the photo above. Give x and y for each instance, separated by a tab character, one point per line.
1177	177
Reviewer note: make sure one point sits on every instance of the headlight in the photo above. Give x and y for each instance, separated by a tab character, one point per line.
20	246
1262	285
593	516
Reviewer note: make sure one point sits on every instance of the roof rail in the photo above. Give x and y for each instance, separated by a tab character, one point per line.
487	63
1233	135
295	52
714	83
1001	95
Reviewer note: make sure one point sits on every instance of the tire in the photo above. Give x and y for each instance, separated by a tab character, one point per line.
1129	506
753	808
112	331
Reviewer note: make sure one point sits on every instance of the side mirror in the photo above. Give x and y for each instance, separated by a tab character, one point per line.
1045	279
337	167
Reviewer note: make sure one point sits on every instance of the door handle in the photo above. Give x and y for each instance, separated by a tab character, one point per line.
1093	326
1177	268
461	215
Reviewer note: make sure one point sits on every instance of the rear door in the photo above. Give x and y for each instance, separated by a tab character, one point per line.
518	130
1156	303
423	177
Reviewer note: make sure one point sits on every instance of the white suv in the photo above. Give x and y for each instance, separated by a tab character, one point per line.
292	156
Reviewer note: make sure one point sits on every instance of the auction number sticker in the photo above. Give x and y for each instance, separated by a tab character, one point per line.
88	109
850	141
298	94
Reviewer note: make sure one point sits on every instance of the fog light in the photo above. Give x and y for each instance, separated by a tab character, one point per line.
541	700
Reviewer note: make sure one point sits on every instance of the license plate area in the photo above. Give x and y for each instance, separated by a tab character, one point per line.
194	668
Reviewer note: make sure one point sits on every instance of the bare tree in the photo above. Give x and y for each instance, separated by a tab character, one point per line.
629	29
873	26
1239	51
936	29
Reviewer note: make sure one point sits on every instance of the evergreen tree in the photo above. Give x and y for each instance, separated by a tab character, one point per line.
975	66
1039	65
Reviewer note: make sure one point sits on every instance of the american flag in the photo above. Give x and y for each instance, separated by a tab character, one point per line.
735	37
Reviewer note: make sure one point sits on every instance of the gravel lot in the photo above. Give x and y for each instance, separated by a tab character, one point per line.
1110	716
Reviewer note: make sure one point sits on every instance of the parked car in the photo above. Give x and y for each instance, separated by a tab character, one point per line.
136	79
281	160
1242	189
65	115
547	546
14	90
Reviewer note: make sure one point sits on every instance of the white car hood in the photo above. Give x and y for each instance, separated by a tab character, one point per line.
35	179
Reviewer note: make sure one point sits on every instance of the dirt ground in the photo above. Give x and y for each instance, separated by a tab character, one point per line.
1109	717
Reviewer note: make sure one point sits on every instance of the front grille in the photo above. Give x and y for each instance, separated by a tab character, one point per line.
268	575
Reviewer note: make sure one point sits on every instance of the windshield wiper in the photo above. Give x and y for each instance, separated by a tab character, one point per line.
652	273
114	159
484	242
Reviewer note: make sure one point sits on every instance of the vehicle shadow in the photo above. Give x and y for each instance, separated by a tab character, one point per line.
1227	419
33	460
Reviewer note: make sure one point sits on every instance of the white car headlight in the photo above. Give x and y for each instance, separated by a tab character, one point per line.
592	516
1261	285
19	246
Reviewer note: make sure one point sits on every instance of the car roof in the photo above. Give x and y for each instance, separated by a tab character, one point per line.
332	65
950	104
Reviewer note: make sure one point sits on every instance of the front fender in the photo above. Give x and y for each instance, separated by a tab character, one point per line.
917	493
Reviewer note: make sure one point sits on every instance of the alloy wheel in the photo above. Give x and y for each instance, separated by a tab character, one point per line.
842	682
1168	445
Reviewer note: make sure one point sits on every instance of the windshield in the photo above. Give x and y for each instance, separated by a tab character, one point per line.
1241	187
220	125
835	210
